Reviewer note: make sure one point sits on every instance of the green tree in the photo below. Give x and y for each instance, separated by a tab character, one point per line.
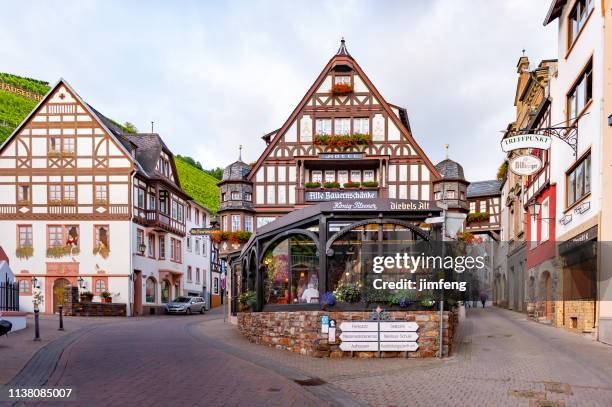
130	128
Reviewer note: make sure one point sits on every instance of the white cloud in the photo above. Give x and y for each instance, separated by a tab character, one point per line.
216	75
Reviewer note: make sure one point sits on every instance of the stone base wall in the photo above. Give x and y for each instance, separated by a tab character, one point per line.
300	331
74	307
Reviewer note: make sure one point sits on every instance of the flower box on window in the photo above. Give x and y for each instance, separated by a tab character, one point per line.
55	202
61	251
232	237
352	184
54	153
23	202
477	217
68	153
370	184
24	252
69	202
343	142
342	89
332	184
101	202
312	185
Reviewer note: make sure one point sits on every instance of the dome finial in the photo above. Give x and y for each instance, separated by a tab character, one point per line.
446	148
240	152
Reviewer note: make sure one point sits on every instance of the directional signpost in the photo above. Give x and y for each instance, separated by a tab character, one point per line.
374	336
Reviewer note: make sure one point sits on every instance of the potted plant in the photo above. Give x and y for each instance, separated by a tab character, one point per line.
54	153
86	296
348	293
332	184
477	217
370	184
352	184
312	184
106	297
247	301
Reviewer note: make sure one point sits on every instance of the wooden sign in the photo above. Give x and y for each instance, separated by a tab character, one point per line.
359	346
400	326
399	336
359	336
399	346
359	326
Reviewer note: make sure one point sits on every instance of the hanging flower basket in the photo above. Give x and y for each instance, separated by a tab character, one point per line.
477	217
342	89
237	237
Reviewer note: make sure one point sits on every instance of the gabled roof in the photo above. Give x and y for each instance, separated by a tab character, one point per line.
342	57
554	11
96	115
484	188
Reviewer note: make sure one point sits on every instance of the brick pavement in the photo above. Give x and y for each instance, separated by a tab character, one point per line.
18	348
502	359
156	362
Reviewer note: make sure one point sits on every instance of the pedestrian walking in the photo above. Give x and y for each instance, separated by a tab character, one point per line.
483	298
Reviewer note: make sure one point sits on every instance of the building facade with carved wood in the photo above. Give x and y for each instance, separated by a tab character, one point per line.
84	203
343	171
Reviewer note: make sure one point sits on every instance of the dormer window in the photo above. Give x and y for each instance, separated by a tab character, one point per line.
235	196
248	196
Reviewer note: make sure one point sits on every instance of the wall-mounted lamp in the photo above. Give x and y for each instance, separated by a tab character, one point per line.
534	209
35	282
610	120
81	282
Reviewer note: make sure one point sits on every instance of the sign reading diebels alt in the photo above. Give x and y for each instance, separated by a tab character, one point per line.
321	196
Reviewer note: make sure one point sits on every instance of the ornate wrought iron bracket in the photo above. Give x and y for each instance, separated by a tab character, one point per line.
567	134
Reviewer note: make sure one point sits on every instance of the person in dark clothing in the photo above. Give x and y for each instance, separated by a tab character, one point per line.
483	298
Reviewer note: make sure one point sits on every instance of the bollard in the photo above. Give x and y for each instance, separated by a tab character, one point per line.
36	328
61	319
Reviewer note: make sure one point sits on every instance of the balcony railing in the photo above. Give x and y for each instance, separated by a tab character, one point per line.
157	219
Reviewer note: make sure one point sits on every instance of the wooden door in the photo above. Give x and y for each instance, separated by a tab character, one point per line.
58	293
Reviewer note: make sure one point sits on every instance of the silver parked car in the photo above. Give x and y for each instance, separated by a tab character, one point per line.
186	305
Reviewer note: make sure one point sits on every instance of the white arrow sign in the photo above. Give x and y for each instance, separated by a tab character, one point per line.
359	326
397	346
399	336
358	346
399	326
359	336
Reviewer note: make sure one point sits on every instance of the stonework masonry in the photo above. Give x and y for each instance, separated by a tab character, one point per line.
74	307
300	332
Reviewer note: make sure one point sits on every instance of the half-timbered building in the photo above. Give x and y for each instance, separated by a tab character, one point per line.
343	171
84	203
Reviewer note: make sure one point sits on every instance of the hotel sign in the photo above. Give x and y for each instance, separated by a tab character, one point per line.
539	141
525	165
341	156
322	196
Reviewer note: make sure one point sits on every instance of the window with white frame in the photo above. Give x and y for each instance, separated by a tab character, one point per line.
235	223
342	127
271	195
581	93
342	177
235	196
330	176
248	223
55	193
323	126
544	220
356	175
579	181
316	176
361	125
345	79
368	175
483	206
472	207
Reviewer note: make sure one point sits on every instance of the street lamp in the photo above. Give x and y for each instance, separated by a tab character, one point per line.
534	209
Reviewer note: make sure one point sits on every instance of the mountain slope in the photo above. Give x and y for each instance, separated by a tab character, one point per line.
201	186
13	107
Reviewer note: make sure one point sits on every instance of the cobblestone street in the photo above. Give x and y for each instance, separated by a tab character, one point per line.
501	359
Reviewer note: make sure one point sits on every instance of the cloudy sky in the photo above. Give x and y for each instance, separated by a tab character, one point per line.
213	75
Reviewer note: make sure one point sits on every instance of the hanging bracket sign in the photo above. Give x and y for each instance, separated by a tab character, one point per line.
525	165
539	141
